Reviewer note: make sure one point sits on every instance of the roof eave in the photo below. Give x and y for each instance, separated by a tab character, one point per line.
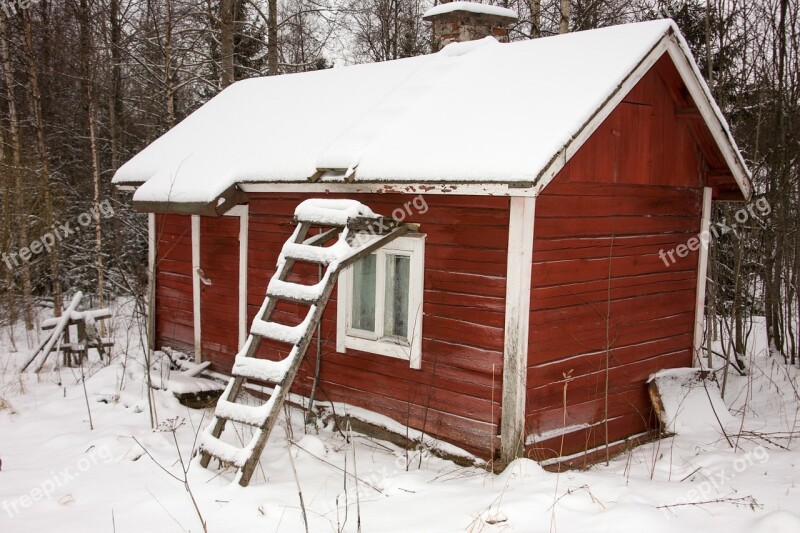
716	124
230	198
670	45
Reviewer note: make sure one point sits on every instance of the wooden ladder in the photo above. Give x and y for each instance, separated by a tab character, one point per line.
358	236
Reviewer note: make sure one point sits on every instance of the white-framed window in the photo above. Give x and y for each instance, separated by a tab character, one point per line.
379	304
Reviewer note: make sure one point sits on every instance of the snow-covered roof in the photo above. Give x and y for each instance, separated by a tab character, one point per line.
470	7
475	112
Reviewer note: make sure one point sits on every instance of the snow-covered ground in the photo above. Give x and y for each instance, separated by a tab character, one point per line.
58	474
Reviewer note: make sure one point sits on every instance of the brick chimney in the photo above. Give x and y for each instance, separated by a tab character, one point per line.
455	22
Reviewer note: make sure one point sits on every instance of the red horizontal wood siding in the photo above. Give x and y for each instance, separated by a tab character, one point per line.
174	316
606	311
219	300
456	394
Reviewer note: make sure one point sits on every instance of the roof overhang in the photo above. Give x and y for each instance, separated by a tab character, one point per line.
730	179
226	201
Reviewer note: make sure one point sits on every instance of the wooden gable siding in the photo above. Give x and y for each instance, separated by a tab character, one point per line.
605	309
456	394
174	316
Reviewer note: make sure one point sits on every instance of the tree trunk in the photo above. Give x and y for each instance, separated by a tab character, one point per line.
16	169
7	215
170	91
44	163
84	16
115	108
272	38
536	18
563	26
709	57
226	38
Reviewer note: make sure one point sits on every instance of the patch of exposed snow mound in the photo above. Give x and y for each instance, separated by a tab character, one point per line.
690	404
312	445
777	522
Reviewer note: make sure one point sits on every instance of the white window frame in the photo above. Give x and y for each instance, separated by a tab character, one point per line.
347	337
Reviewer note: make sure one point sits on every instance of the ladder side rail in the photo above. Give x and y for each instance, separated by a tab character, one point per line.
253	341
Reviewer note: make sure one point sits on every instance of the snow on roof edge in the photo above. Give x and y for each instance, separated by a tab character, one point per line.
653	35
471	7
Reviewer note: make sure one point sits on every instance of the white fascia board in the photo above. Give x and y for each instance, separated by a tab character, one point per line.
466	189
716	123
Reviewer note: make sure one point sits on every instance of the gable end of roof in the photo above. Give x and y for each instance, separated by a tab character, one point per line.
673	45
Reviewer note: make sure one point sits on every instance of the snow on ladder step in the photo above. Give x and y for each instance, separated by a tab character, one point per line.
331	212
252	415
227	453
263	369
281	332
323	255
295	291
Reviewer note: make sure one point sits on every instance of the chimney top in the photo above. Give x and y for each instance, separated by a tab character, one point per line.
468	21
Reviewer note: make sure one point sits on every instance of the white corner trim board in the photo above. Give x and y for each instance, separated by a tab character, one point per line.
515	351
702	270
152	244
198	345
243	212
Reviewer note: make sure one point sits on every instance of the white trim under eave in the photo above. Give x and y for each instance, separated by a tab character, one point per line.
702	271
465	189
198	346
517	317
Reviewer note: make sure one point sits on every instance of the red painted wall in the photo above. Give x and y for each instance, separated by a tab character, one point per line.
456	393
174	316
219	297
606	311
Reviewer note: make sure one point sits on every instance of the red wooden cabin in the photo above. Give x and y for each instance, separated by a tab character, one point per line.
554	181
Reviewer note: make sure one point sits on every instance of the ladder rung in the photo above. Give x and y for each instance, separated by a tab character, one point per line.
331	212
279	332
252	415
323	255
262	369
227	453
296	292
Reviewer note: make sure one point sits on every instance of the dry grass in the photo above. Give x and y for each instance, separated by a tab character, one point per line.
5	405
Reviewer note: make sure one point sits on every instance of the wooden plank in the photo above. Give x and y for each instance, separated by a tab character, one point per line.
567	226
622	377
515	343
702	271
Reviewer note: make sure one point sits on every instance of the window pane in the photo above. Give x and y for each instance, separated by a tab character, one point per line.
364	294
397	285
